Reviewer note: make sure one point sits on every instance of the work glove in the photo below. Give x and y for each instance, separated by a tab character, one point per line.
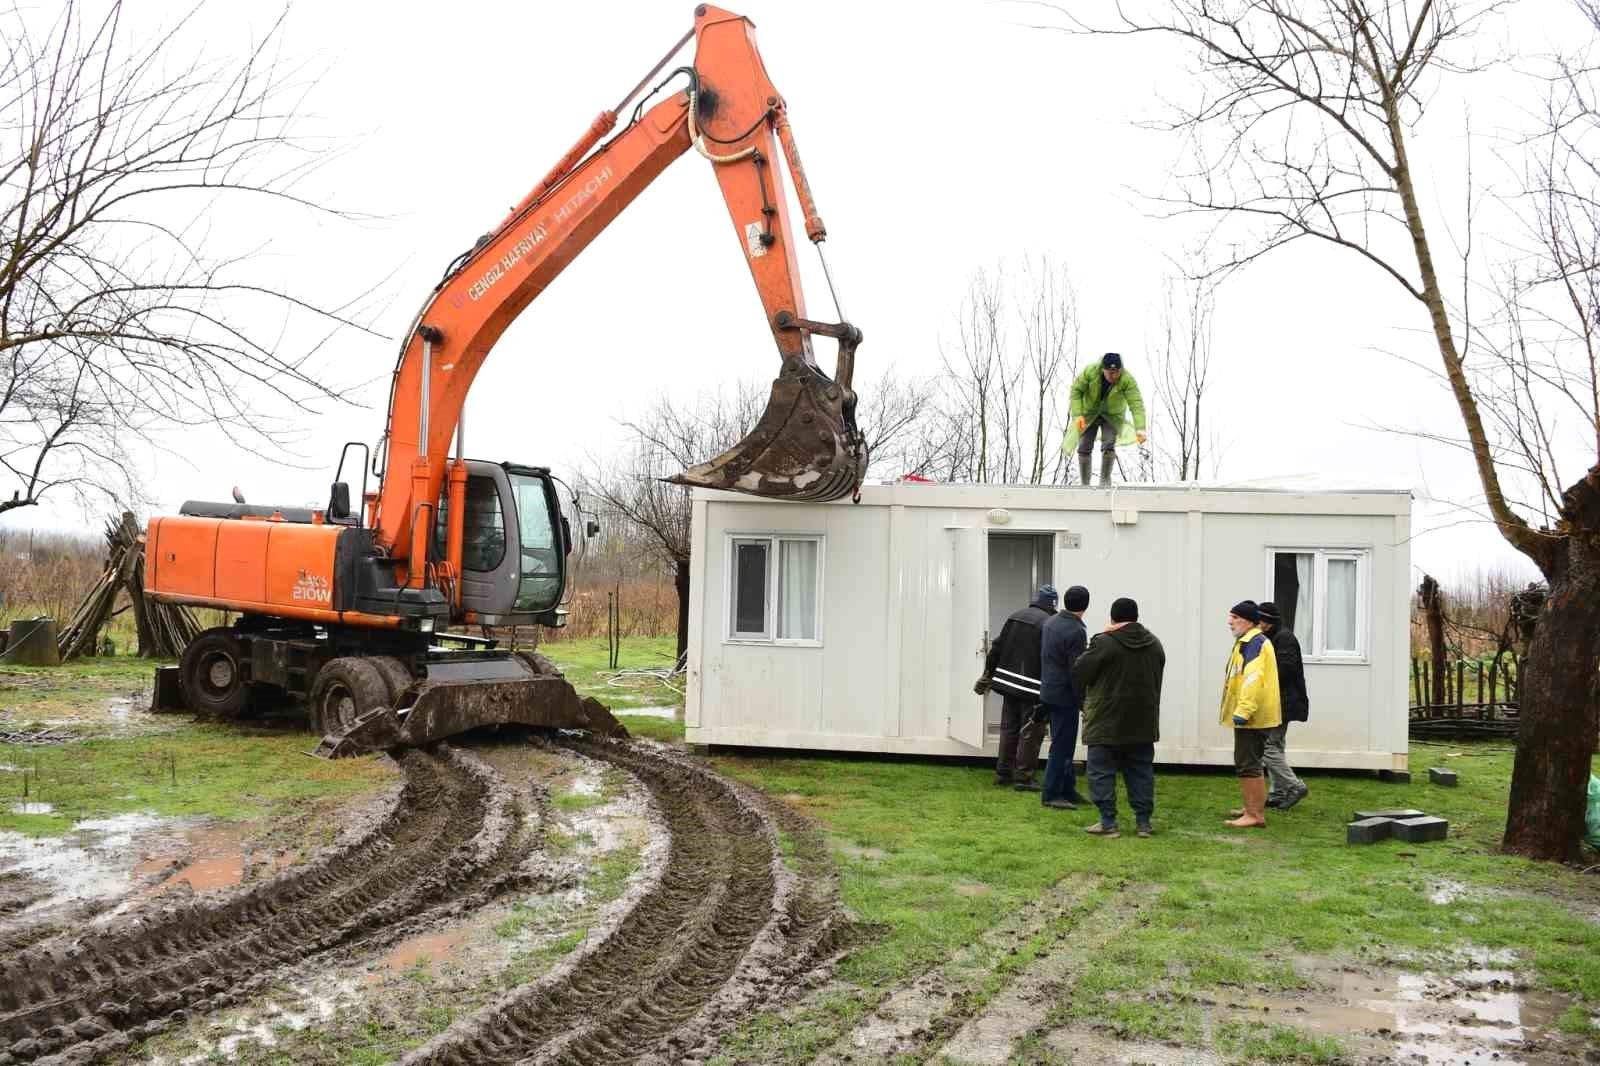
1083	423
1240	721
981	686
1140	435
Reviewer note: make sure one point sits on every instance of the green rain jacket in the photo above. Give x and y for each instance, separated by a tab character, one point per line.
1086	403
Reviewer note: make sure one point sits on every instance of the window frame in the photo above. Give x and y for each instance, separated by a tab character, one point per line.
773	541
1320	556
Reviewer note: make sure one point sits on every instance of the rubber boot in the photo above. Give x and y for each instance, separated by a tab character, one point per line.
1254	790
1085	466
1108	462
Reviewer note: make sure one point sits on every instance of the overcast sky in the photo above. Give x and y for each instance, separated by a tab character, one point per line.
939	138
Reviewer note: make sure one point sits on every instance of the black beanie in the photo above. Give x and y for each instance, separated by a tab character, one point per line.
1111	361
1267	611
1247	610
1124	610
1077	599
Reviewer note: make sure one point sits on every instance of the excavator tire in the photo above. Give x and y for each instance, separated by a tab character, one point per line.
539	664
345	689
395	676
211	673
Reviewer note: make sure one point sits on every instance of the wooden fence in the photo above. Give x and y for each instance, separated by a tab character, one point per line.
1468	698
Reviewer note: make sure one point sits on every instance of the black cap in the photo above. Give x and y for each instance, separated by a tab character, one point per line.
1077	599
1267	611
1247	610
1124	610
1111	361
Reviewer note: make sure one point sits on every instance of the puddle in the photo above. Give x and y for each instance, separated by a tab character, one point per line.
33	808
1446	892
587	785
430	948
856	851
314	1003
1483	1010
136	855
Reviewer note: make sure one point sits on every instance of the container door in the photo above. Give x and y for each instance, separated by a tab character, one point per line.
969	633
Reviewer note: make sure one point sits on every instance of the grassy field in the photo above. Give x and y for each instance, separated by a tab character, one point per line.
932	855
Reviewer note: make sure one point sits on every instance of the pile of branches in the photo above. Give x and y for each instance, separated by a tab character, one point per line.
163	628
1464	728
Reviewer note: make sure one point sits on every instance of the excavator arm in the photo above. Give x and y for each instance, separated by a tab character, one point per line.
806	444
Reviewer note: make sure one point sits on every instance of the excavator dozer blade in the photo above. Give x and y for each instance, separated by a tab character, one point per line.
442	709
804	447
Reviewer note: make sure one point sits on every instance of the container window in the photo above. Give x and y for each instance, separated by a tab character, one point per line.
775	587
1323	596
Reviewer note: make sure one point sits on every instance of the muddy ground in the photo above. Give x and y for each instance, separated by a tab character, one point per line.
532	899
506	898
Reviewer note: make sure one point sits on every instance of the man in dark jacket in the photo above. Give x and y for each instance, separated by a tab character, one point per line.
1286	789
1120	679
1012	670
1064	640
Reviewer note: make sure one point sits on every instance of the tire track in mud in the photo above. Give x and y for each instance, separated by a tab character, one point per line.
721	928
452	838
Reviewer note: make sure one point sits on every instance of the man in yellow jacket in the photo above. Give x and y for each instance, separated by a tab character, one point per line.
1252	707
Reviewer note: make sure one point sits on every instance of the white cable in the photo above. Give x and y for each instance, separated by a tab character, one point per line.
699	140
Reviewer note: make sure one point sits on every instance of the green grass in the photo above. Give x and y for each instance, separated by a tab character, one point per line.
585	663
217	770
1256	1042
1224	909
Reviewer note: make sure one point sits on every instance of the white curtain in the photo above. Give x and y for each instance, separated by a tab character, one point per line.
797	590
1305	612
1342	605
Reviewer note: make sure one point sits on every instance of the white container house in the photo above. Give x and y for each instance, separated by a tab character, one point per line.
862	626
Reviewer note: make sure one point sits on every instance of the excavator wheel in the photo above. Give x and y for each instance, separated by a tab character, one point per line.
346	689
212	674
539	664
395	675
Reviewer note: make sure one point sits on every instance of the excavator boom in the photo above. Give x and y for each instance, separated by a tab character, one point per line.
805	446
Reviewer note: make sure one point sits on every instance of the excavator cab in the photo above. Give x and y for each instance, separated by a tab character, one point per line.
515	545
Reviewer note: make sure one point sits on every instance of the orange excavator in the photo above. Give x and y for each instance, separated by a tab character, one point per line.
349	609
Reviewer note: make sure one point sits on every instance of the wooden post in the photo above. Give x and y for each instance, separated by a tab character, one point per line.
1433	614
1461	688
1494	667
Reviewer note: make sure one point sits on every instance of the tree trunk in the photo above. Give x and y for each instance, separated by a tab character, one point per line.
1433	615
1556	691
680	581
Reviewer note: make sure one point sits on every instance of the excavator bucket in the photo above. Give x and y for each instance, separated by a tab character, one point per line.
804	447
522	690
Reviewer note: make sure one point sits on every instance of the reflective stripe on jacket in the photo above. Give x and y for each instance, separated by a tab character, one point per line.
1250	688
1012	666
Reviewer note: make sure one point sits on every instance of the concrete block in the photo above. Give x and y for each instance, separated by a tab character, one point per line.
1421	830
1395	777
1440	776
1396	814
1368	830
167	695
31	642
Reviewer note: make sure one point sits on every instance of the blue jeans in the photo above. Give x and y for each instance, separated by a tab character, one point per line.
1059	780
1137	763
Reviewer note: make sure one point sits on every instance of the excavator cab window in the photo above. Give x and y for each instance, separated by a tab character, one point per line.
540	574
483	545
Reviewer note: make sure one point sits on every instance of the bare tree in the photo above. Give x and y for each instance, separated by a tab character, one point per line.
1047	313
1302	124
1184	446
116	318
995	415
666	441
